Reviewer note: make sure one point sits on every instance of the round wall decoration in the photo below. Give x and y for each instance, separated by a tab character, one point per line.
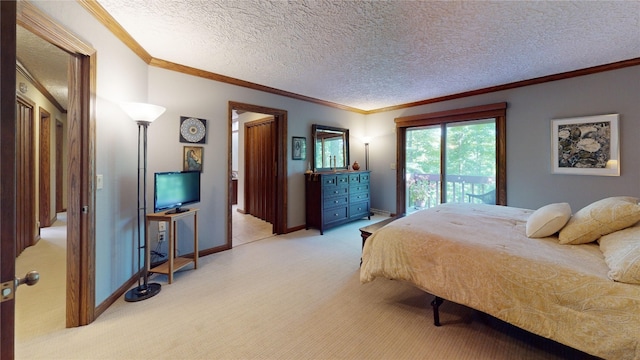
193	130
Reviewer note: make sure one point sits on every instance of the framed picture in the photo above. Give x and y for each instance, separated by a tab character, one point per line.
586	145
193	158
299	146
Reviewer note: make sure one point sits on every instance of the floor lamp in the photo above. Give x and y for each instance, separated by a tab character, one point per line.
366	152
143	115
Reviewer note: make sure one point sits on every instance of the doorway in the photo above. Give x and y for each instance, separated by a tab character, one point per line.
81	65
272	138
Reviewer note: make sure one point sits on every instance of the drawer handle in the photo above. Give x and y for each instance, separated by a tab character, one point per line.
335	201
336	214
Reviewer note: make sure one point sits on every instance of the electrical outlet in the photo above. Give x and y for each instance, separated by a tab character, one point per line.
162	226
161	236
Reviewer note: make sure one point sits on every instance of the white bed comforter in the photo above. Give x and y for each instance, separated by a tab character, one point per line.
479	256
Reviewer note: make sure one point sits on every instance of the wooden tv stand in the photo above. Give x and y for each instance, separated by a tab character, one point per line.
174	263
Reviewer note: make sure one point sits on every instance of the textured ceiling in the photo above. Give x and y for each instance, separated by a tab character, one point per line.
45	63
373	54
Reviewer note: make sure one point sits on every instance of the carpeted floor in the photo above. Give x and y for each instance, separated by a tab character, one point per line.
294	296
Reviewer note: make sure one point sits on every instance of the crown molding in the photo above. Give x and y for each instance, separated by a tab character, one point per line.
107	20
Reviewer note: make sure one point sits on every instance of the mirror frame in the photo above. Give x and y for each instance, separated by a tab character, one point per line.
314	130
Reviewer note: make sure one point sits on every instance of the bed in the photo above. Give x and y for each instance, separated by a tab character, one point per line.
480	256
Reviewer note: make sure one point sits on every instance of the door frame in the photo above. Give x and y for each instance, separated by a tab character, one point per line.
280	118
496	110
80	308
44	166
7	172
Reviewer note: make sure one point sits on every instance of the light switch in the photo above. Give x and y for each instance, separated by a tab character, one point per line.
393	166
99	182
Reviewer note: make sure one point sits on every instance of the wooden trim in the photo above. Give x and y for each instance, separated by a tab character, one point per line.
514	85
280	118
107	20
477	112
498	111
401	164
250	85
81	157
103	306
295	228
44	165
59	166
34	20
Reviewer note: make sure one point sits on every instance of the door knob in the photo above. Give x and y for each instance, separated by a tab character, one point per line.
7	289
31	278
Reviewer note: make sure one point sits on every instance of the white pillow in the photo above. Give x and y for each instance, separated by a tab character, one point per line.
600	218
621	251
548	220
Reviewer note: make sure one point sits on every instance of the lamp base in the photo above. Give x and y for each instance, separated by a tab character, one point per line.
142	292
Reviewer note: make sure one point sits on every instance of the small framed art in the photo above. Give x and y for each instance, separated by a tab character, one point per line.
193	158
586	145
299	146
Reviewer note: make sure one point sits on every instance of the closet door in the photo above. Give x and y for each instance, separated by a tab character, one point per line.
27	230
260	162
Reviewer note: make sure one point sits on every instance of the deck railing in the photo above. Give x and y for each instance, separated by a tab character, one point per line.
458	188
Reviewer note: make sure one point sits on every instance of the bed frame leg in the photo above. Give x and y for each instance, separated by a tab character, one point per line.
436	314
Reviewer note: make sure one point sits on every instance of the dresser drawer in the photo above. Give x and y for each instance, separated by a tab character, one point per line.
342	180
357	197
335	202
335	191
329	180
357	188
334	215
360	178
359	210
334	180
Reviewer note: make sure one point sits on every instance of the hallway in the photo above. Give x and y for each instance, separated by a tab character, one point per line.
41	309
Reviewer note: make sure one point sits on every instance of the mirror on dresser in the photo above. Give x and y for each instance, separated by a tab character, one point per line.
330	148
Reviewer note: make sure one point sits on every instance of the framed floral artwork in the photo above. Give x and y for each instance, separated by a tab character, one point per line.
586	145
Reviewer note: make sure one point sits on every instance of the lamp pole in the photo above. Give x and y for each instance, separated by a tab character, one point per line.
366	156
143	114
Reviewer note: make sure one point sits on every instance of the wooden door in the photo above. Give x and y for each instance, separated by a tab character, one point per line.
7	171
59	167
44	193
27	228
260	161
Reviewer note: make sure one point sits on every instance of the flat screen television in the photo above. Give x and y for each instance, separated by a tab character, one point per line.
173	190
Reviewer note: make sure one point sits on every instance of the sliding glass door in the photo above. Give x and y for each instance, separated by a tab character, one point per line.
450	162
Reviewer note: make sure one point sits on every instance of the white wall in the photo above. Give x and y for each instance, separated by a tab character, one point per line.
185	95
530	183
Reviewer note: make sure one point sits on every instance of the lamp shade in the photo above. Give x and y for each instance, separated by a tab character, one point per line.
141	111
